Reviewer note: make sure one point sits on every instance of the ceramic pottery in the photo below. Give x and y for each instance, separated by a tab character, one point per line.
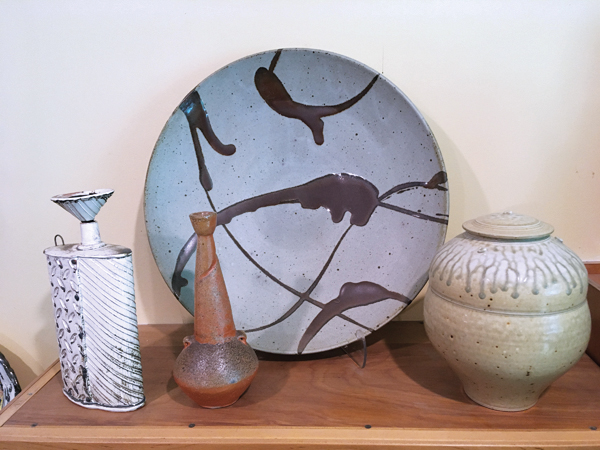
330	191
216	365
94	307
507	309
9	384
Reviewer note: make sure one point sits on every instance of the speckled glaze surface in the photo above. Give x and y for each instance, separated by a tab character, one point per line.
216	365
507	309
215	375
330	191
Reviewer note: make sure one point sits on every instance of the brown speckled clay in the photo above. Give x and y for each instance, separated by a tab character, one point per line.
507	309
216	365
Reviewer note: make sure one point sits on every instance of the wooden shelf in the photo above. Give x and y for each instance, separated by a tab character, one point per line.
406	397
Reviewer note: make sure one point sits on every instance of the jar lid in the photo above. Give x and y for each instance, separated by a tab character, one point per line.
508	225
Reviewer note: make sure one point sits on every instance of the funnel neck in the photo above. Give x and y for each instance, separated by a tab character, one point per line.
85	205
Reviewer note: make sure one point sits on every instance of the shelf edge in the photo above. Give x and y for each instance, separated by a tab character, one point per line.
292	437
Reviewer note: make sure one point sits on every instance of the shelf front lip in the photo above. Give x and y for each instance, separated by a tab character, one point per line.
280	436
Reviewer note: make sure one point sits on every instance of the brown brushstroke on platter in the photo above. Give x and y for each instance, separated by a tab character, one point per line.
274	93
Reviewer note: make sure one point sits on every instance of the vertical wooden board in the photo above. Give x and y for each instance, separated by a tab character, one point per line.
593	296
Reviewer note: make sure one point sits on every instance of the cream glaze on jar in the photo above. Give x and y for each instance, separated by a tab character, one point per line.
506	307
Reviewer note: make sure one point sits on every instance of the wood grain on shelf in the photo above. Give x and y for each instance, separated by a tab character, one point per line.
261	438
406	396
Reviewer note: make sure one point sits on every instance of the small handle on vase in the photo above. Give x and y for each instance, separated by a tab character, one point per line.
187	341
241	336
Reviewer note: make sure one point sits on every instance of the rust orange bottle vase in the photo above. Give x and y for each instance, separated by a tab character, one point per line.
216	365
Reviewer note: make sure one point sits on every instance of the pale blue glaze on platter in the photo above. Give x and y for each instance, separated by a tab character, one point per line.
271	256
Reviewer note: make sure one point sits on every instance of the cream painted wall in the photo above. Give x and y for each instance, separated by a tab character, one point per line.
511	90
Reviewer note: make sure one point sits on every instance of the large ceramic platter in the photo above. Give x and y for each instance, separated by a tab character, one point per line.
330	191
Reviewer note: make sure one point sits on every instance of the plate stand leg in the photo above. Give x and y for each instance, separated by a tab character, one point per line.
357	351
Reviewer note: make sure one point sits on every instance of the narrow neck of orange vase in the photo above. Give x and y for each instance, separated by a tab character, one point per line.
213	320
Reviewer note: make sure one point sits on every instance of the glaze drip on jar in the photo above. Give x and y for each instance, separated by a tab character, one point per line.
527	272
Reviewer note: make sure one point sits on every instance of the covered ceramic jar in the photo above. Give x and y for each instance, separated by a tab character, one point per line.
507	308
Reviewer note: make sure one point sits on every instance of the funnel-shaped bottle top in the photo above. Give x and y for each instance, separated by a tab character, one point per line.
85	204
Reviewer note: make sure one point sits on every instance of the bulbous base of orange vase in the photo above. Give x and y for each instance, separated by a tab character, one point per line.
215	375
